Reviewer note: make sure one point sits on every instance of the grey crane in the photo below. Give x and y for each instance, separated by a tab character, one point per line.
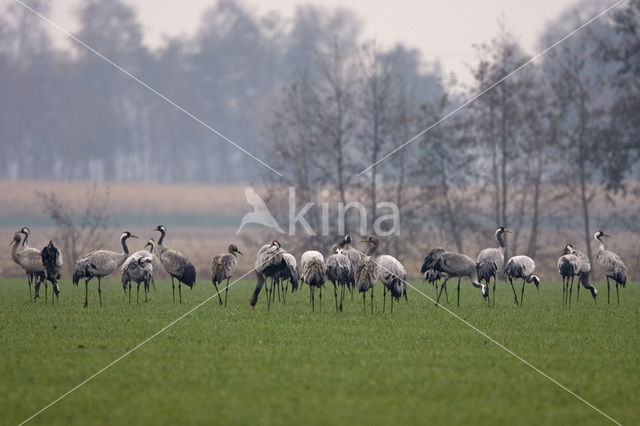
29	259
393	277
100	263
223	267
522	267
35	276
366	271
176	264
313	273
453	265
139	268
285	275
491	260
52	262
338	270
611	265
584	271
568	267
355	256
270	263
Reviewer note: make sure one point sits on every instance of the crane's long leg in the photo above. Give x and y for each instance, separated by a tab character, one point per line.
522	294
335	293
100	290
46	296
371	300
146	289
342	296
563	290
494	290
384	297
86	292
458	292
218	293
278	285
226	291
571	290
608	298
443	286
173	287
320	299
180	290
138	294
30	280
129	285
617	293
515	297
312	297
364	303
578	291
446	294
391	298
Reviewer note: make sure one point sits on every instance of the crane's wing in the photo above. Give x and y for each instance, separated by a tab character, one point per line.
254	199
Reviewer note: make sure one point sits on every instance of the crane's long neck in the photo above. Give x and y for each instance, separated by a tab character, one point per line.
14	251
123	241
373	247
500	237
152	247
602	248
161	237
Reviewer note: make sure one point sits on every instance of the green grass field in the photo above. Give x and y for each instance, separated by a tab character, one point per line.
291	366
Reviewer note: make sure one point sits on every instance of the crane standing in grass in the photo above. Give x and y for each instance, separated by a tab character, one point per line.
522	267
100	263
611	265
270	263
490	261
338	269
139	268
568	267
29	259
223	267
52	262
393	277
176	264
313	273
453	265
366	272
584	271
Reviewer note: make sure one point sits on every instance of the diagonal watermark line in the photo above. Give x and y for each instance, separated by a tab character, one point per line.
503	347
115	361
142	83
477	95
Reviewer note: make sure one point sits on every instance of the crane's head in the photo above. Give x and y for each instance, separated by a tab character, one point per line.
600	234
160	228
127	234
234	249
568	249
347	239
150	243
276	244
485	291
17	238
502	229
25	230
536	281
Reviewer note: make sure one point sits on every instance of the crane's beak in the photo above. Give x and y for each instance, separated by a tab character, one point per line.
239	252
605	235
508	231
133	236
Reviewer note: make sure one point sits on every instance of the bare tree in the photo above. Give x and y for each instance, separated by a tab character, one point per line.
78	229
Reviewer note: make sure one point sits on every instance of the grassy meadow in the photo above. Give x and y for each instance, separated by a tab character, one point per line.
291	366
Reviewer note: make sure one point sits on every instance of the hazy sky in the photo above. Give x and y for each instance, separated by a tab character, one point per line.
443	30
